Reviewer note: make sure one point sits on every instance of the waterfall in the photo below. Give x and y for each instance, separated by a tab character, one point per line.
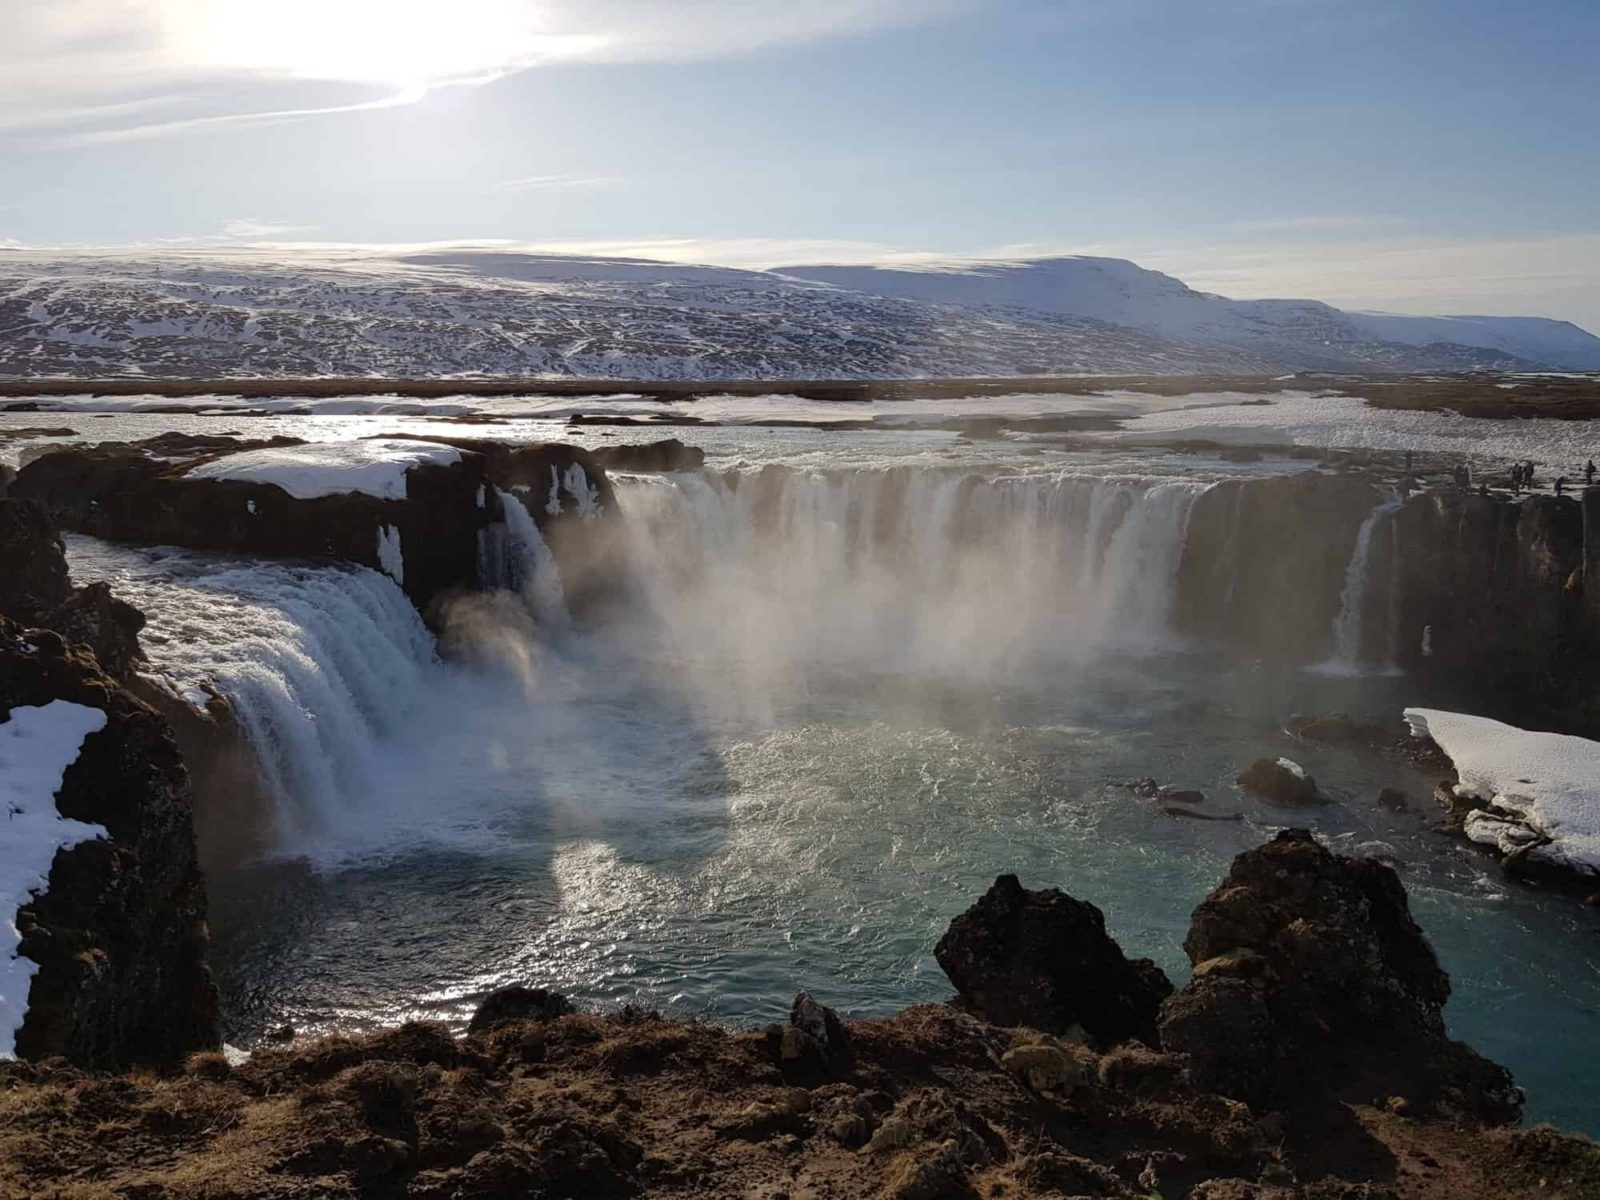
1354	597
534	571
895	570
321	664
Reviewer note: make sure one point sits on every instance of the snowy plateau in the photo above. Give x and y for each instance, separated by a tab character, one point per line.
396	313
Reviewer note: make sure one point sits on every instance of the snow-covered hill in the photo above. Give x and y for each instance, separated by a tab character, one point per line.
1123	293
493	311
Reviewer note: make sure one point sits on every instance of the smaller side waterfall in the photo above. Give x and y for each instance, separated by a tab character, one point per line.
534	572
1350	638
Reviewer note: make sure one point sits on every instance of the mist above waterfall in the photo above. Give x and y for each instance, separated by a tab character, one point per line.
763	585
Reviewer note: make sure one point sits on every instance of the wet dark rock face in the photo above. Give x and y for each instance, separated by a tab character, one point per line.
1264	561
1043	959
1498	600
120	933
1312	980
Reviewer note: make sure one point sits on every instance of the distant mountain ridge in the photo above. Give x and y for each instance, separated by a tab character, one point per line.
1123	293
417	313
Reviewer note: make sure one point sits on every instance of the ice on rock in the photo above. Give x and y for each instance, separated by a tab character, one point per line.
1550	781
37	745
390	556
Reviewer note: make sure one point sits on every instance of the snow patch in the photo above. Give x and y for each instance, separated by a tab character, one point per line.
37	745
390	556
1549	783
375	466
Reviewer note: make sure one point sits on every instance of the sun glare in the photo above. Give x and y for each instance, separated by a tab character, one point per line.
407	43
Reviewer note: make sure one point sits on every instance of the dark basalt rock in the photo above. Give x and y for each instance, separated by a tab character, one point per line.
814	1046
120	933
1277	784
517	1003
34	580
1264	561
1311	979
1498	604
142	493
108	626
36	591
667	455
1043	959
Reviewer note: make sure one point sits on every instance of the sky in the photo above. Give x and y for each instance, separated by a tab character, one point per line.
1414	156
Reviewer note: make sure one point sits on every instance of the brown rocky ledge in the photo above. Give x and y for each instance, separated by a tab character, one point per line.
1271	1084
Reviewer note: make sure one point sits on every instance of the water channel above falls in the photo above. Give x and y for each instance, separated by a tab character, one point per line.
800	760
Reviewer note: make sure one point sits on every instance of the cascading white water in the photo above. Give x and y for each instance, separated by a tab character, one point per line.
1349	623
535	573
320	664
772	574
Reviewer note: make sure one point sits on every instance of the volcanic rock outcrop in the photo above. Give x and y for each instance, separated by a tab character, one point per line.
120	932
430	537
35	591
667	455
1311	981
1043	959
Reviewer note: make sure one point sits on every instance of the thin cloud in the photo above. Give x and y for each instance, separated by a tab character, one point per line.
542	183
1342	224
97	137
83	63
253	227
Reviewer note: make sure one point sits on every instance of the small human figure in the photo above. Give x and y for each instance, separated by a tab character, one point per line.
1561	484
1409	460
1527	475
1588	473
1483	490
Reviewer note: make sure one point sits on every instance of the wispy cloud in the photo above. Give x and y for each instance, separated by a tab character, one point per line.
543	183
133	133
1320	223
254	227
90	65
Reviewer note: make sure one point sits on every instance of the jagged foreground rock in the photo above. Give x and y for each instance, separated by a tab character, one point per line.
1044	959
930	1104
1313	984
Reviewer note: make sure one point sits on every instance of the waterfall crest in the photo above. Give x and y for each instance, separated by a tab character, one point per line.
907	570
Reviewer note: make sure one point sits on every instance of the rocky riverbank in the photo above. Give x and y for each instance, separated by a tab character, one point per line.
1306	1057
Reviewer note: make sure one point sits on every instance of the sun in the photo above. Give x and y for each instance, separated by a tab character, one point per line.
404	43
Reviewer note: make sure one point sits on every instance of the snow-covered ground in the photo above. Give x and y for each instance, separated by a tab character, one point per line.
1347	422
37	745
1549	781
377	467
